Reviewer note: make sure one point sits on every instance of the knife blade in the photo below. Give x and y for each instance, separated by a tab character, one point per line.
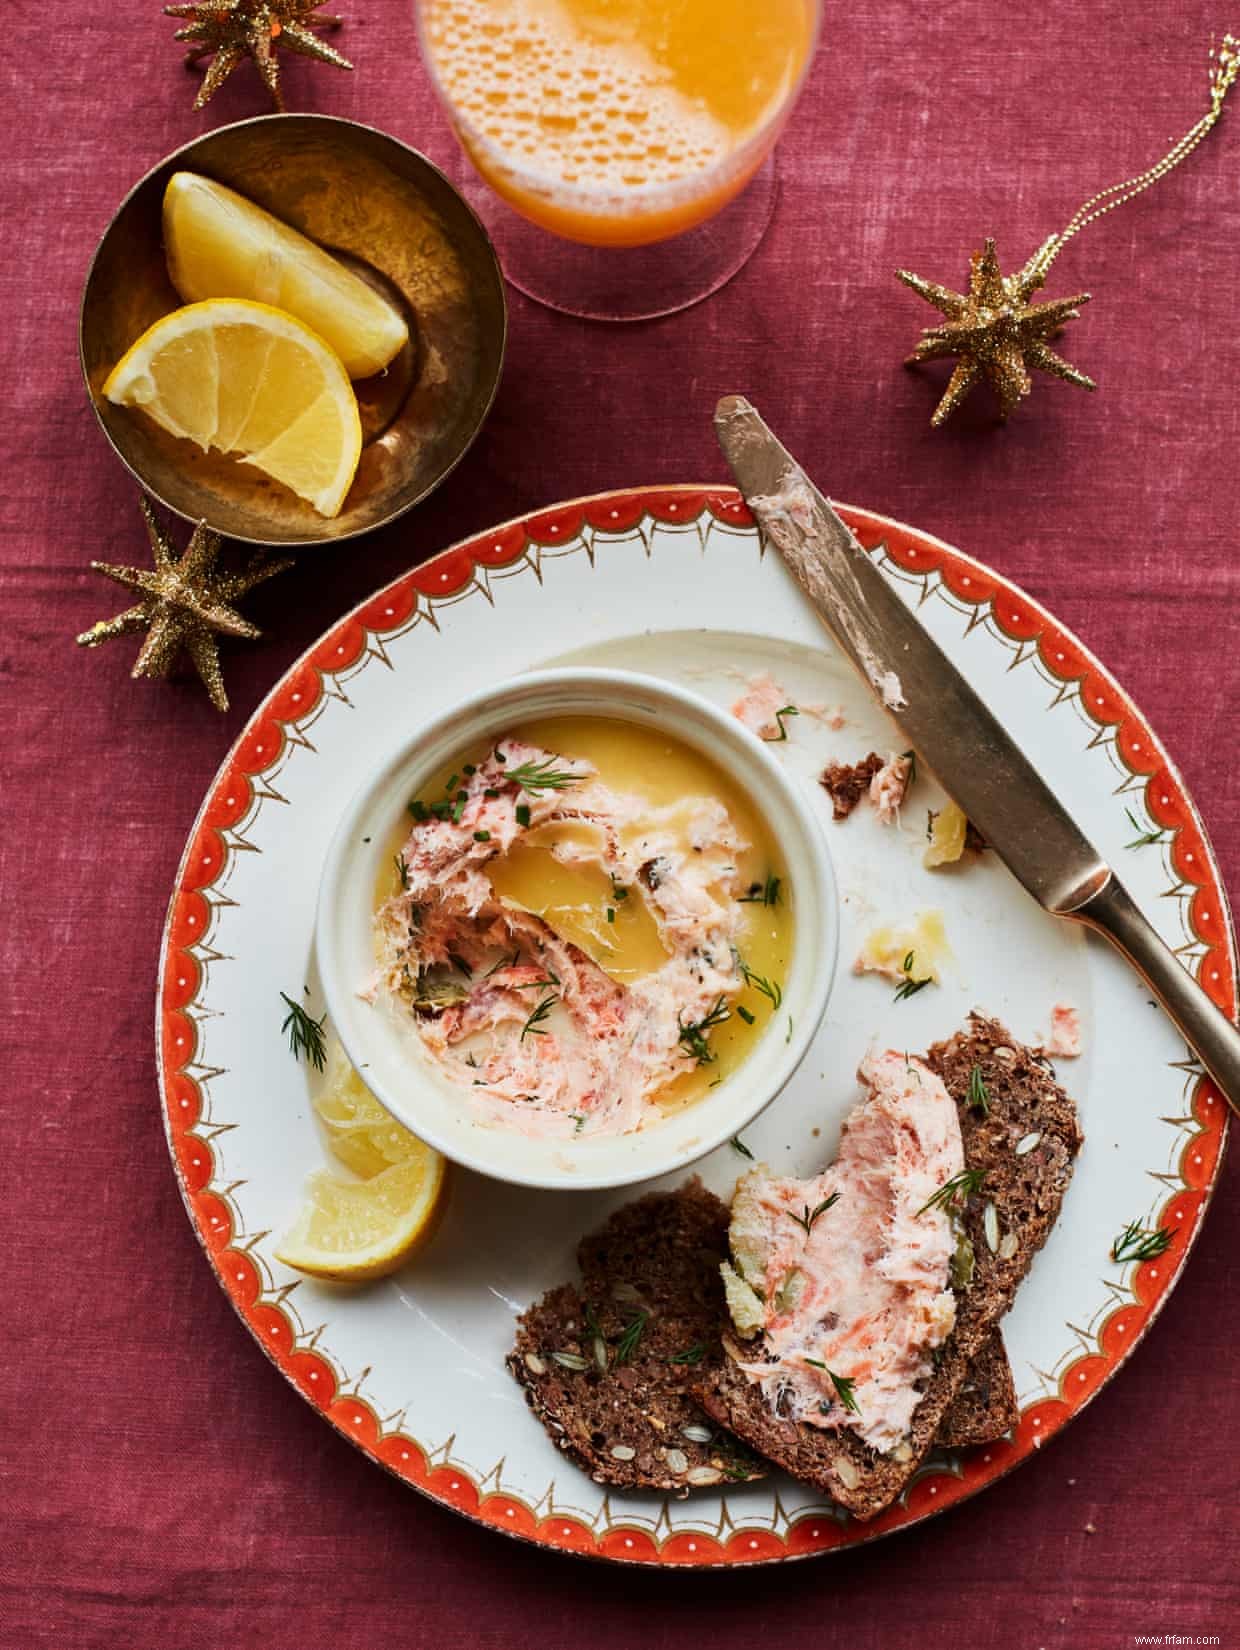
948	724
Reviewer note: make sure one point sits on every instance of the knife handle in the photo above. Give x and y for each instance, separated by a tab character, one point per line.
1113	912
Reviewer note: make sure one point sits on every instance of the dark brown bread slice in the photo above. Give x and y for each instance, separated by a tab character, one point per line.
662	1254
1026	1191
985	1406
847	782
623	1417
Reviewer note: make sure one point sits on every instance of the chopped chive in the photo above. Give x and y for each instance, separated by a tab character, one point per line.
744	1014
523	813
482	836
777	738
763	893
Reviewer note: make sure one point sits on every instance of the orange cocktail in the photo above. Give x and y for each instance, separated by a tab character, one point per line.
618	122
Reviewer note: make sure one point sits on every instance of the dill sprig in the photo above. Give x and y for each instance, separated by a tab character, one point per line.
542	776
738	1145
626	1346
809	1216
778	738
979	1094
402	871
305	1035
952	1193
1137	1242
1143	838
762	893
909	987
691	1354
693	1032
534	1027
770	989
843	1385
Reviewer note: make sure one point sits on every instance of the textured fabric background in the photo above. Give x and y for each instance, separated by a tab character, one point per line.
161	1486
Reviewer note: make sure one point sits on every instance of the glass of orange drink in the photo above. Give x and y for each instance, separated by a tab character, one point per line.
627	128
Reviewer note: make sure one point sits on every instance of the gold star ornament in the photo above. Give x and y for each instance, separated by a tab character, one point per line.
236	29
184	605
995	332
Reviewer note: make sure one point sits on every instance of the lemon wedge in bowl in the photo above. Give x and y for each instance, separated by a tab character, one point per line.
360	1132
253	381
220	245
350	1230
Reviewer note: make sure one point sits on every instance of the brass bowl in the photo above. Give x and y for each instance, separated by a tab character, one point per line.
398	223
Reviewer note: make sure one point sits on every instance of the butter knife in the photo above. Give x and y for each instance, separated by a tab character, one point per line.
977	761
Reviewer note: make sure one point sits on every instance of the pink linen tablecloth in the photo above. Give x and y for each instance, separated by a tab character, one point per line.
162	1488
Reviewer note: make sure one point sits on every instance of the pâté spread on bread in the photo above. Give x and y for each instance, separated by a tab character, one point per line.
845	1280
588	926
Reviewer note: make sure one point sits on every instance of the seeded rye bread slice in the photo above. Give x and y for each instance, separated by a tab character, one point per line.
661	1255
623	1417
985	1406
1024	1190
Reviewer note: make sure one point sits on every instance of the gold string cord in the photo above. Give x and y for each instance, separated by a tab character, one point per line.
1223	76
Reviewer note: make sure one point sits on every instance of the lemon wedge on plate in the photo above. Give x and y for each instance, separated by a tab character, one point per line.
350	1230
220	245
252	381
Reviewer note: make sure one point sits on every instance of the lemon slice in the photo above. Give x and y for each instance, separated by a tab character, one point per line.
360	1132
253	381
355	1229
350	1230
220	245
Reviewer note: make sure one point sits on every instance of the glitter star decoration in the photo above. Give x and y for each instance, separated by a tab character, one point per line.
237	29
184	605
995	332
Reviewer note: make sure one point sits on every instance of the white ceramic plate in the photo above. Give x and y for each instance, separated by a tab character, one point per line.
673	582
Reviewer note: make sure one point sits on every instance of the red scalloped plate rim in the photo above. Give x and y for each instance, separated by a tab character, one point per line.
812	1535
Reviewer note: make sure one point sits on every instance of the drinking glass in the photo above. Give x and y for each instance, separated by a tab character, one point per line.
622	150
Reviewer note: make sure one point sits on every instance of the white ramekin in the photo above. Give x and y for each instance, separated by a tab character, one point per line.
389	1056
